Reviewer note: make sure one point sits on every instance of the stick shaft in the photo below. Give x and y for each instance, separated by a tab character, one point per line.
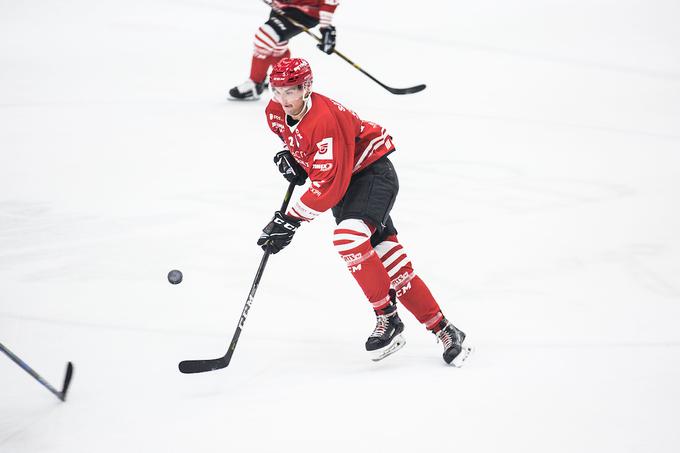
30	371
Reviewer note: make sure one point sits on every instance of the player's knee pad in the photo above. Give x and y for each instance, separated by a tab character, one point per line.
351	239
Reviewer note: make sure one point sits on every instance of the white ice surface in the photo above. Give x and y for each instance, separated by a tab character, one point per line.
540	200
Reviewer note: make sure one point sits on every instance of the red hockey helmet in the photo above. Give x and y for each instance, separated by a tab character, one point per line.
291	72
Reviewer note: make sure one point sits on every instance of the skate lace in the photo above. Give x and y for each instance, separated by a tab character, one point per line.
445	337
382	323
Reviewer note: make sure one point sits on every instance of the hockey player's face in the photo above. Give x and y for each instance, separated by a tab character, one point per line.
290	98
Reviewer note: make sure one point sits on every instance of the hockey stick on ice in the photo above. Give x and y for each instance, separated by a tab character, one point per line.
200	366
67	379
409	90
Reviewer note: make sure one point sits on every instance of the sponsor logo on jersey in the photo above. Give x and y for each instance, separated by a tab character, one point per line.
275	117
323	167
278	126
324	149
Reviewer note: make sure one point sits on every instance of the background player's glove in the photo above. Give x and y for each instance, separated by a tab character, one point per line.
327	43
289	167
278	233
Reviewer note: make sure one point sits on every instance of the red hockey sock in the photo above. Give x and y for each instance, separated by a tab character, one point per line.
412	292
417	298
259	66
352	241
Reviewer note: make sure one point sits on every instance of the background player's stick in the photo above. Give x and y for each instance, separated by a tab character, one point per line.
67	379
409	90
200	366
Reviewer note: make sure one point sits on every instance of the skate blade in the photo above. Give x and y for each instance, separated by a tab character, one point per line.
465	353
396	344
250	99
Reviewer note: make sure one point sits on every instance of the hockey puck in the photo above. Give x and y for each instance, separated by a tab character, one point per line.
174	276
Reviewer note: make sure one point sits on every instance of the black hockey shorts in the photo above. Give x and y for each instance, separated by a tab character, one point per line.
370	197
285	28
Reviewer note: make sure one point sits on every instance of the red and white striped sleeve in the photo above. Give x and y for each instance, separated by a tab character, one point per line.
326	10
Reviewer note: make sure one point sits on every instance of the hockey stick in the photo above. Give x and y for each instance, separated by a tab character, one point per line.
67	379
200	366
409	90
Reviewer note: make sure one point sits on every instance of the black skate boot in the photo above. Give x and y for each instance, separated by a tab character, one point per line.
386	338
247	91
456	351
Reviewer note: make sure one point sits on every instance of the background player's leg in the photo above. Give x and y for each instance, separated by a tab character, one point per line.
270	45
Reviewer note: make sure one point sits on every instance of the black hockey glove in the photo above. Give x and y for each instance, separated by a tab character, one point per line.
289	168
327	43
278	233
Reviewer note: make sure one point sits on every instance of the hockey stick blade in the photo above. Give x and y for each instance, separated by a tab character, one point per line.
201	366
410	90
67	381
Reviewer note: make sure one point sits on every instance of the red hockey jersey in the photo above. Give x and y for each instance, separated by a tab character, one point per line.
321	9
331	143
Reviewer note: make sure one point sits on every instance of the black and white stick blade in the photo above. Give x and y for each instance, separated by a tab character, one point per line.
67	381
201	366
410	90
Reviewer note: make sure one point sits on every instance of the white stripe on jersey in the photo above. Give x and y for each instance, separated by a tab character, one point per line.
371	147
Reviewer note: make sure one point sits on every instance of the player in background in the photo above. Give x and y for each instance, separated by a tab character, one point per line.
346	161
271	40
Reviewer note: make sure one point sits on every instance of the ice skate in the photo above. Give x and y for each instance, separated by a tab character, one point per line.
456	350
386	338
247	91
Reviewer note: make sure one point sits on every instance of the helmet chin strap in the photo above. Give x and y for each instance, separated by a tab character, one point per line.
305	106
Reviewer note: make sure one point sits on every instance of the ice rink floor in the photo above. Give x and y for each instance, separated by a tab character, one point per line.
540	196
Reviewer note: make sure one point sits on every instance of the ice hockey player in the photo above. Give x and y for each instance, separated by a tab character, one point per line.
346	161
271	39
